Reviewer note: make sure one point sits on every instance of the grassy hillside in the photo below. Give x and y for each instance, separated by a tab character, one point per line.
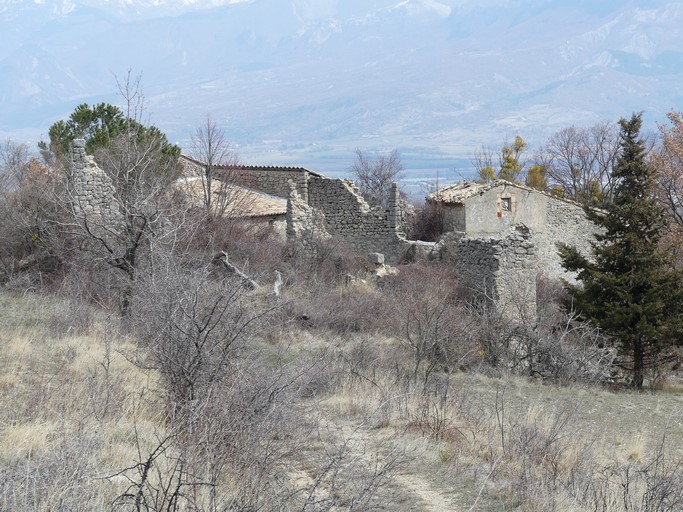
312	420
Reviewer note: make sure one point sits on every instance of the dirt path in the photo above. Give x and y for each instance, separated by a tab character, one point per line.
433	500
370	445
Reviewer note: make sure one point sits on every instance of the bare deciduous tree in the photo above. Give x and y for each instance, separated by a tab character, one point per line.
482	160
375	174
667	160
141	166
214	151
579	162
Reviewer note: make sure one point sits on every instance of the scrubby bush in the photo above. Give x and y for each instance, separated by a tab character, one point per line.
427	223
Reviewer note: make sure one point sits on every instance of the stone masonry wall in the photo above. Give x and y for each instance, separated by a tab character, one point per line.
274	181
565	222
349	216
499	271
91	188
304	223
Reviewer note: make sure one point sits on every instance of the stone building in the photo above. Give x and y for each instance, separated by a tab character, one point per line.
492	210
500	234
322	206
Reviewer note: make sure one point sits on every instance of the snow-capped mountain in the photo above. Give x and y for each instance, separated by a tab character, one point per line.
307	80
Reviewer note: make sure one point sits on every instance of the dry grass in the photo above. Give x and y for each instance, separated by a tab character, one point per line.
69	405
342	425
493	444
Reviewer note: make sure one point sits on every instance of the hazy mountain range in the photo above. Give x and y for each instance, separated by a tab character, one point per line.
307	81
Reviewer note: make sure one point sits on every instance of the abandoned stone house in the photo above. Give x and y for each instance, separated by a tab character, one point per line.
318	206
500	235
491	210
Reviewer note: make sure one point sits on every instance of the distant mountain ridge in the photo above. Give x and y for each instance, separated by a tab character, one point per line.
308	81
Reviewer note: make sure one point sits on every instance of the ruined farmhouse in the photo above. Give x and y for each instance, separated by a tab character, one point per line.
492	210
318	206
499	235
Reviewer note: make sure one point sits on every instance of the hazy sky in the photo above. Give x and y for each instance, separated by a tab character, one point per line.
310	80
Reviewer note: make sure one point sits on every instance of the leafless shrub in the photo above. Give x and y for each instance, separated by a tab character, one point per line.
428	223
191	325
32	247
573	351
57	479
361	360
231	449
157	482
432	319
355	308
375	173
545	342
433	416
653	484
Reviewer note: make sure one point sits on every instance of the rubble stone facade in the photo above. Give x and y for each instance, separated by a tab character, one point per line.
92	190
500	271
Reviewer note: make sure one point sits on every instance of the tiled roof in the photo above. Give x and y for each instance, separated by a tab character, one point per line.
241	202
268	168
464	189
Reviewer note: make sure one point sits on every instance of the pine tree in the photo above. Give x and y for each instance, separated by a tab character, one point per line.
628	288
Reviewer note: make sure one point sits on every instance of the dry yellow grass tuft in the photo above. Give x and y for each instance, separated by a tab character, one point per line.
73	409
25	441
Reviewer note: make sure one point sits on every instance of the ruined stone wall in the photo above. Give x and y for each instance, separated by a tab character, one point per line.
305	224
273	181
500	272
91	189
349	216
565	222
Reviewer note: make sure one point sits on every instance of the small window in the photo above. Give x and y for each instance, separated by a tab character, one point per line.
506	204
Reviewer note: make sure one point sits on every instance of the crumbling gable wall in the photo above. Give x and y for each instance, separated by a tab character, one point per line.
499	271
91	189
349	216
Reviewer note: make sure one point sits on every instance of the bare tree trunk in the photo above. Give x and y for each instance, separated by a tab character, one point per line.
638	364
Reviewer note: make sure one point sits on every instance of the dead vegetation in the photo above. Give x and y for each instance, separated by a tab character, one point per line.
331	396
342	391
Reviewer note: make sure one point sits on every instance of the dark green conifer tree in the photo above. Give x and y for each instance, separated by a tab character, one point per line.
628	288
